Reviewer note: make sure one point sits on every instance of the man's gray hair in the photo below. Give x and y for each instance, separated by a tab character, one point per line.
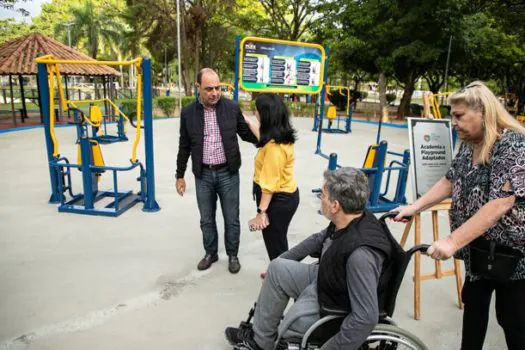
348	186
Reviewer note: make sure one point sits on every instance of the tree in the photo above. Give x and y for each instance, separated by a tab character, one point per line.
96	29
10	29
289	19
208	29
401	39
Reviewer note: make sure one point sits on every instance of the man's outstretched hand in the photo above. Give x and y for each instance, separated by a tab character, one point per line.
180	185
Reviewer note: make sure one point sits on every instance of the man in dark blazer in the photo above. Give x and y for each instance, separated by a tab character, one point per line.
208	131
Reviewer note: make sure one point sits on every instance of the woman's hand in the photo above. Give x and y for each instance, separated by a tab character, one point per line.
443	248
259	222
404	212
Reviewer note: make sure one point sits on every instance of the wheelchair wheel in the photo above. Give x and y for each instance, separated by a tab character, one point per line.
389	337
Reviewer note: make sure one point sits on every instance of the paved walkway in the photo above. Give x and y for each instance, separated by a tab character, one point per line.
80	282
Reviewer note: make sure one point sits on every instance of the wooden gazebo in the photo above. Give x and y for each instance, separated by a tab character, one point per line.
17	58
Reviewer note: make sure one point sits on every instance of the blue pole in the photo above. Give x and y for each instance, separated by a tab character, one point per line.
87	176
332	161
321	112
43	87
150	205
316	120
236	69
349	119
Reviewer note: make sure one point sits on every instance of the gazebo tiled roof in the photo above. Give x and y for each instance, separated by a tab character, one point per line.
17	57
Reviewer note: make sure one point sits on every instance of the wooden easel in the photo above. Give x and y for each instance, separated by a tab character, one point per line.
438	273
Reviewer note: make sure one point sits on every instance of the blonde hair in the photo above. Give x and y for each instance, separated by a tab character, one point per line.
477	96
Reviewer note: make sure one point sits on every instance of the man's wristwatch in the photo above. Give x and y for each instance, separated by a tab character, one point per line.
260	211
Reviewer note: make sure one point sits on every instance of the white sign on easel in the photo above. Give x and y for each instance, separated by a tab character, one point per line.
431	152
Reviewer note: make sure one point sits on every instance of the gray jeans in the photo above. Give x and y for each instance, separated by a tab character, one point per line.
285	279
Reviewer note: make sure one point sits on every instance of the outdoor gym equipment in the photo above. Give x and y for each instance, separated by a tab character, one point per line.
380	199
331	113
111	111
431	103
91	162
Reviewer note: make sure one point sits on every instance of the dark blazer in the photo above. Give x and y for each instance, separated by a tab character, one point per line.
231	122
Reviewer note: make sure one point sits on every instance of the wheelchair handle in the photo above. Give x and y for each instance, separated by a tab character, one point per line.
393	214
422	248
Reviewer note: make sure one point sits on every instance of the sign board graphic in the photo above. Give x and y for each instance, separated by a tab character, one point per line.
431	152
281	66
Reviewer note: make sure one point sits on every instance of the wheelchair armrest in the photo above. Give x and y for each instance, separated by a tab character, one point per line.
334	312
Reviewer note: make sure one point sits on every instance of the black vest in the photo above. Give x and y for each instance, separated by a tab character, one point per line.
366	230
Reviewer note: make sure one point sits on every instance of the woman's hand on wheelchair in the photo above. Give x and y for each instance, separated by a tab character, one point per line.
404	213
442	249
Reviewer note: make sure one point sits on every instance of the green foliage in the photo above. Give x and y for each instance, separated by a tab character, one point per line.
301	109
416	110
10	29
129	106
186	100
337	99
390	98
97	28
167	105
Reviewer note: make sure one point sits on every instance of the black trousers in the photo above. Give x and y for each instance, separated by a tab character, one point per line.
280	213
510	312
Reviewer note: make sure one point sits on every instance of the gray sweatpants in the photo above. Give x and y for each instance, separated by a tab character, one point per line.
285	279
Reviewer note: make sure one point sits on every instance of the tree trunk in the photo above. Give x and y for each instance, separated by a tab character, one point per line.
404	104
383	108
197	53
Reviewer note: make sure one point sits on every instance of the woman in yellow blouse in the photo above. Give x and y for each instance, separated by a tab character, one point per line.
274	186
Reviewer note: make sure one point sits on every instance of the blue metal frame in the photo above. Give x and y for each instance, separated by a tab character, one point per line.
236	69
337	130
44	103
60	167
377	200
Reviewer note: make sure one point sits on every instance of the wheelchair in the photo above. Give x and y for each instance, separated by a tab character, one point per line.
385	336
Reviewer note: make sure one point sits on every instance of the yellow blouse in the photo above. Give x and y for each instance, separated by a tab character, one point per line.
274	168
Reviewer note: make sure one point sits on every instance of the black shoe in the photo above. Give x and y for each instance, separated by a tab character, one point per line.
241	338
206	262
233	264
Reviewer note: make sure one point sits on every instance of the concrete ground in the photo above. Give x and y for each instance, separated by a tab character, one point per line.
79	282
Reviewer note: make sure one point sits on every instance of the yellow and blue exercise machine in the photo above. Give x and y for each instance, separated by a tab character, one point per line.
331	112
380	198
90	160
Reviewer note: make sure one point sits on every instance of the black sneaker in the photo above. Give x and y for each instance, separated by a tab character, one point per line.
241	338
233	264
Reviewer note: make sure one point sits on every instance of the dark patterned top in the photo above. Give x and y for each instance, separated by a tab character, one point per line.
473	187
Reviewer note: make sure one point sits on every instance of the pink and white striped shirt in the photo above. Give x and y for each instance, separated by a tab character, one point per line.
213	149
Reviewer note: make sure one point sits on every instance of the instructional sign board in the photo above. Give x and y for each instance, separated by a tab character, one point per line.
430	150
281	66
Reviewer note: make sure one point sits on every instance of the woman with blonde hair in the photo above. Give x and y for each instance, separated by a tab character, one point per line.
487	184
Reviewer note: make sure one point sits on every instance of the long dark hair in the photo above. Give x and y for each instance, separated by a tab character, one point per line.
275	120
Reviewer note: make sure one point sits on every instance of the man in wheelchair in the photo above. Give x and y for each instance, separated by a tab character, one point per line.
357	258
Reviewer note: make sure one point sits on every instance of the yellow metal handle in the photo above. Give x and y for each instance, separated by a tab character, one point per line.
50	59
51	82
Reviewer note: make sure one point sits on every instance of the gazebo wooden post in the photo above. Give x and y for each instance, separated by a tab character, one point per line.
12	99
39	100
105	92
23	96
